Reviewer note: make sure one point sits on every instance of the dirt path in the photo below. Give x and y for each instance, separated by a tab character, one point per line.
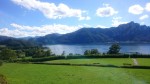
135	61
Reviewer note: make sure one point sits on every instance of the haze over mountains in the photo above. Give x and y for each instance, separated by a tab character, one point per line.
130	32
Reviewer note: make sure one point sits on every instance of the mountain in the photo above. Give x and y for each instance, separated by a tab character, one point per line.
2	38
16	43
130	32
48	39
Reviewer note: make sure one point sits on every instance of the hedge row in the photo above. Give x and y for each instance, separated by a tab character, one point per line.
80	57
95	65
109	56
40	59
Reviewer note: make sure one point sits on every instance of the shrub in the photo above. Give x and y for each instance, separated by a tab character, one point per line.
3	79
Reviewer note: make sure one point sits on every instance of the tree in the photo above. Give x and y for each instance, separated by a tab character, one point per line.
38	53
70	54
63	53
94	52
87	52
48	52
91	52
8	54
114	49
20	54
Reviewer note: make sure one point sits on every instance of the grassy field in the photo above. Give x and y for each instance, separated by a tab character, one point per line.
105	61
56	74
144	62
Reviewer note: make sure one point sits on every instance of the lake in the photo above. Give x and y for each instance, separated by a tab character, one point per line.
143	48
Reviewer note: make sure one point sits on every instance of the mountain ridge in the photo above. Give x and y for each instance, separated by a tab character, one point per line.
130	32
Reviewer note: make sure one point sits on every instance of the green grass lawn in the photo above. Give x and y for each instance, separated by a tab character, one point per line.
105	61
56	74
144	62
114	61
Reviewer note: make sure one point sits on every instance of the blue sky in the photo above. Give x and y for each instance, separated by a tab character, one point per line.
21	18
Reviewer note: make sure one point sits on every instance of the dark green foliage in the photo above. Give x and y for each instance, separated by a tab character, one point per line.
1	62
87	52
37	52
114	49
70	54
92	52
48	53
20	54
8	54
41	59
12	48
136	67
80	57
14	43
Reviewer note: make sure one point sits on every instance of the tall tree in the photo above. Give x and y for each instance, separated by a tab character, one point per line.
114	49
63	53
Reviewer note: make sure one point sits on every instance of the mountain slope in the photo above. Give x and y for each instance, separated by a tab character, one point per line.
130	32
16	43
2	38
48	39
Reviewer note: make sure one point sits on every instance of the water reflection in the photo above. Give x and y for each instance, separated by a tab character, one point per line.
79	49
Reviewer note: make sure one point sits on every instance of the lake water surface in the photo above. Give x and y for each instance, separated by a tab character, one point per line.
143	48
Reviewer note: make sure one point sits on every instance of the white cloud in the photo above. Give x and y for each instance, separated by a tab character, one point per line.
12	33
144	17
24	31
24	28
52	11
136	9
147	7
106	11
116	21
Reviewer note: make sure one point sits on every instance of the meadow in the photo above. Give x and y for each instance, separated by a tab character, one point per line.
105	61
59	74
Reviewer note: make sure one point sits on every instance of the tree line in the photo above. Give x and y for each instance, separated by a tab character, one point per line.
9	54
113	49
34	52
